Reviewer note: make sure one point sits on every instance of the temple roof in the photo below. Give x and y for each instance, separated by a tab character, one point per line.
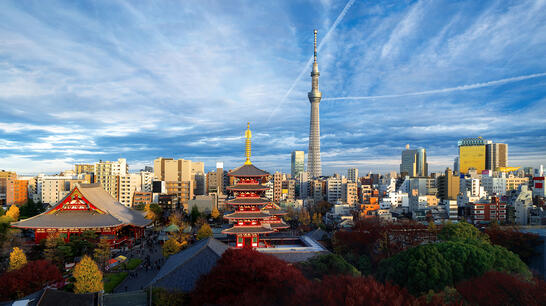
247	215
248	170
248	230
182	270
247	187
278	225
109	212
248	201
276	211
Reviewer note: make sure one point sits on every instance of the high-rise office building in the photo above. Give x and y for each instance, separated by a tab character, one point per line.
352	175
448	185
414	162
177	174
107	174
472	154
496	155
314	167
297	164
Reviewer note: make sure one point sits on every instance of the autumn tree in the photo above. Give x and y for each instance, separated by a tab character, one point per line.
172	246
523	244
215	213
13	212
497	288
149	213
17	259
102	253
54	251
30	278
248	277
204	231
336	290
88	276
304	217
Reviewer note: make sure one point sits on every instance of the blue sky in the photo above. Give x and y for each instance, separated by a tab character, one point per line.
83	81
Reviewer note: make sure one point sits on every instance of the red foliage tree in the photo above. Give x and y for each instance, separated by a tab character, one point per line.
34	276
380	240
521	243
348	290
247	277
497	288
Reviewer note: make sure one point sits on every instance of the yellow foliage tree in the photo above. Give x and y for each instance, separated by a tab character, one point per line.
171	247
13	212
204	232
215	213
149	213
88	276
17	259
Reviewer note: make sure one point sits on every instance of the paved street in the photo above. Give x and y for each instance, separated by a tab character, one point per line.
152	258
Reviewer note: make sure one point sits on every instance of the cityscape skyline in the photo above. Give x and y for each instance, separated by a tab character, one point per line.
81	90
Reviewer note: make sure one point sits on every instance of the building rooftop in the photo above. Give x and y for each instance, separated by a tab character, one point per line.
248	170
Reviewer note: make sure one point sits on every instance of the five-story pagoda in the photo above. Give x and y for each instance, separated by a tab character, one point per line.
254	214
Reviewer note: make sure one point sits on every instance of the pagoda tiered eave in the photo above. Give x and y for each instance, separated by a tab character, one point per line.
248	230
247	215
249	187
248	201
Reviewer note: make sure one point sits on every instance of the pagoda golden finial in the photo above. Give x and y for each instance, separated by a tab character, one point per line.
248	136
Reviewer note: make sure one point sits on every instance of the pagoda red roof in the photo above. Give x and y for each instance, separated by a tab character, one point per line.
248	171
245	187
247	215
249	230
248	201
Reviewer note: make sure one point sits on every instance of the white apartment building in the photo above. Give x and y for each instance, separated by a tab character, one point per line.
350	193
494	185
352	175
451	208
334	189
128	184
523	202
146	181
51	189
107	173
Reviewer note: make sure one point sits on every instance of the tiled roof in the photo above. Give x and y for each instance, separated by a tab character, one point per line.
181	271
241	187
244	201
248	170
279	225
247	215
116	213
248	230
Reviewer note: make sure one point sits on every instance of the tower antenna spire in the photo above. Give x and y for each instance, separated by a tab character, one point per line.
315	54
248	136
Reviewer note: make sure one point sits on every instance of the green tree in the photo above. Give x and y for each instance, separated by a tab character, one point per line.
17	259
437	265
88	276
31	209
461	231
329	264
204	232
194	215
102	253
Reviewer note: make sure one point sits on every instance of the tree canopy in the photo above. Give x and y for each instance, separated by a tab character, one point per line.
13	212
204	231
328	264
461	231
88	276
437	265
30	278
17	259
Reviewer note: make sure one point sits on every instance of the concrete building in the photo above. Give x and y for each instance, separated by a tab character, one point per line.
177	174
216	181
107	174
277	186
451	208
472	154
522	203
289	190
448	186
496	155
350	193
84	168
128	185
414	162
314	167
141	198
51	189
495	186
12	189
539	189
334	189
316	190
297	163
486	212
352	175
146	179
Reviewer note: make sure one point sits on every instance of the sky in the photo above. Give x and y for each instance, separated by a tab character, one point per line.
82	81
